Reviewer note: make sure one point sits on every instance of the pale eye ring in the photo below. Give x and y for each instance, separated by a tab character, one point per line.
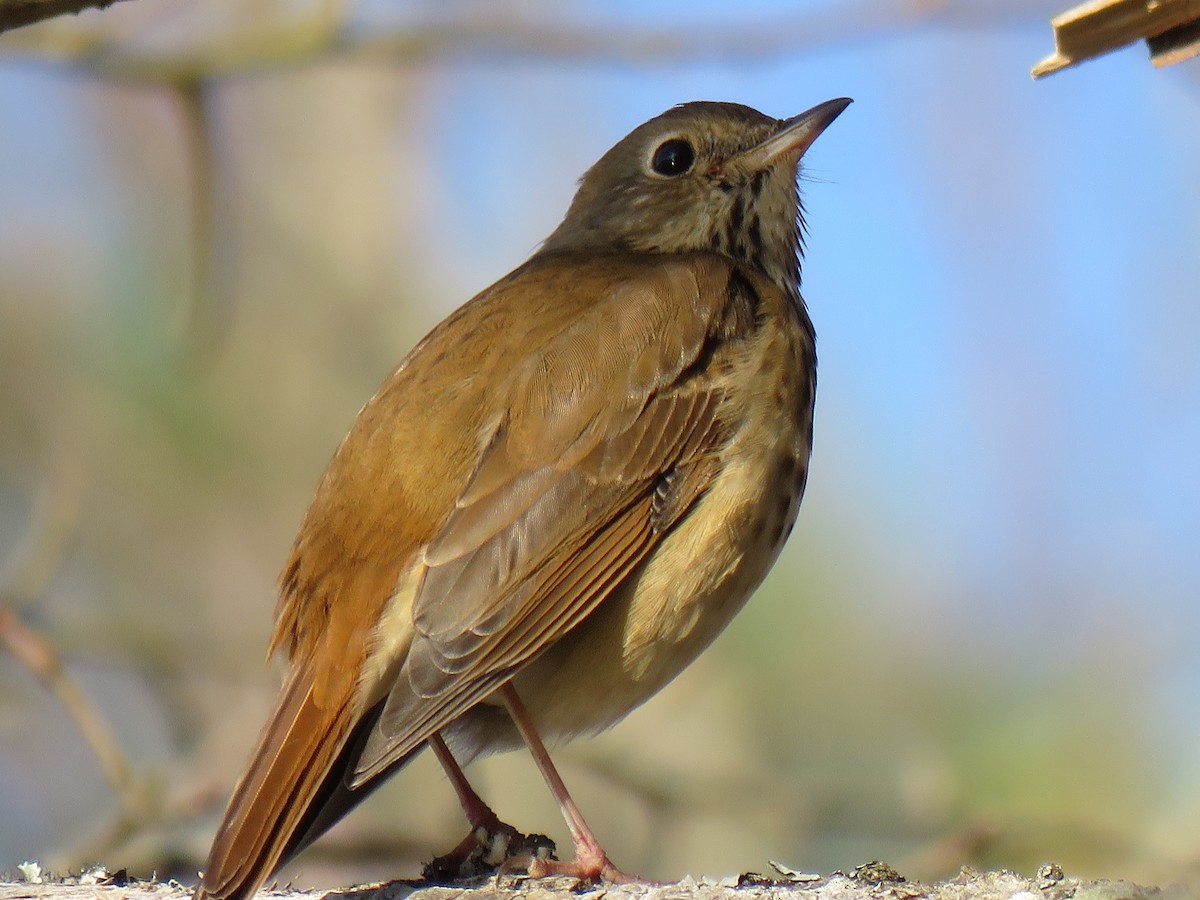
673	157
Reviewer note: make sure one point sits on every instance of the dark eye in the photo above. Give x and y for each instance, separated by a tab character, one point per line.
673	157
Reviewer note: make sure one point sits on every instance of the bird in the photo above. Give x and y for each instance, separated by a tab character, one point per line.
555	501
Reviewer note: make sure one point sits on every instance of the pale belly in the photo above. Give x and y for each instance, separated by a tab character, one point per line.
664	617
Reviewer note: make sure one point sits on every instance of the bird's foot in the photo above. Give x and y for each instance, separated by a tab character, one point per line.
491	846
587	867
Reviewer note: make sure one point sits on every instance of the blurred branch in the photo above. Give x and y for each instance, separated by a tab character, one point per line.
207	316
39	656
35	559
29	570
141	801
16	13
498	31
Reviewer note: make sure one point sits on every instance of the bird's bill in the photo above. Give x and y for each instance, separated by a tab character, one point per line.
796	134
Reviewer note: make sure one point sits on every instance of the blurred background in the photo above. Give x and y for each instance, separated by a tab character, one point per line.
222	224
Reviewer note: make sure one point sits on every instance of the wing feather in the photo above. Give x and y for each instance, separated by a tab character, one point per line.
575	488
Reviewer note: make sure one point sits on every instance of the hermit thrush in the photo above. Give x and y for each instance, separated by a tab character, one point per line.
558	498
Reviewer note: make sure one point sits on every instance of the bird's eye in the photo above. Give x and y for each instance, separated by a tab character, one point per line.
673	157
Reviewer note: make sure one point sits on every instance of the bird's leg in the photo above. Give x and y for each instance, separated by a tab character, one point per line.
591	862
478	813
490	842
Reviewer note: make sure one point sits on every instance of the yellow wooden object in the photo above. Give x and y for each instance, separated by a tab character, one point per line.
1171	29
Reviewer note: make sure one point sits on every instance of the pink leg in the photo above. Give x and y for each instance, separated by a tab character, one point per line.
477	812
591	862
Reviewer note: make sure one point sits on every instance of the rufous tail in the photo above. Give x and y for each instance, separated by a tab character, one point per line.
300	759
